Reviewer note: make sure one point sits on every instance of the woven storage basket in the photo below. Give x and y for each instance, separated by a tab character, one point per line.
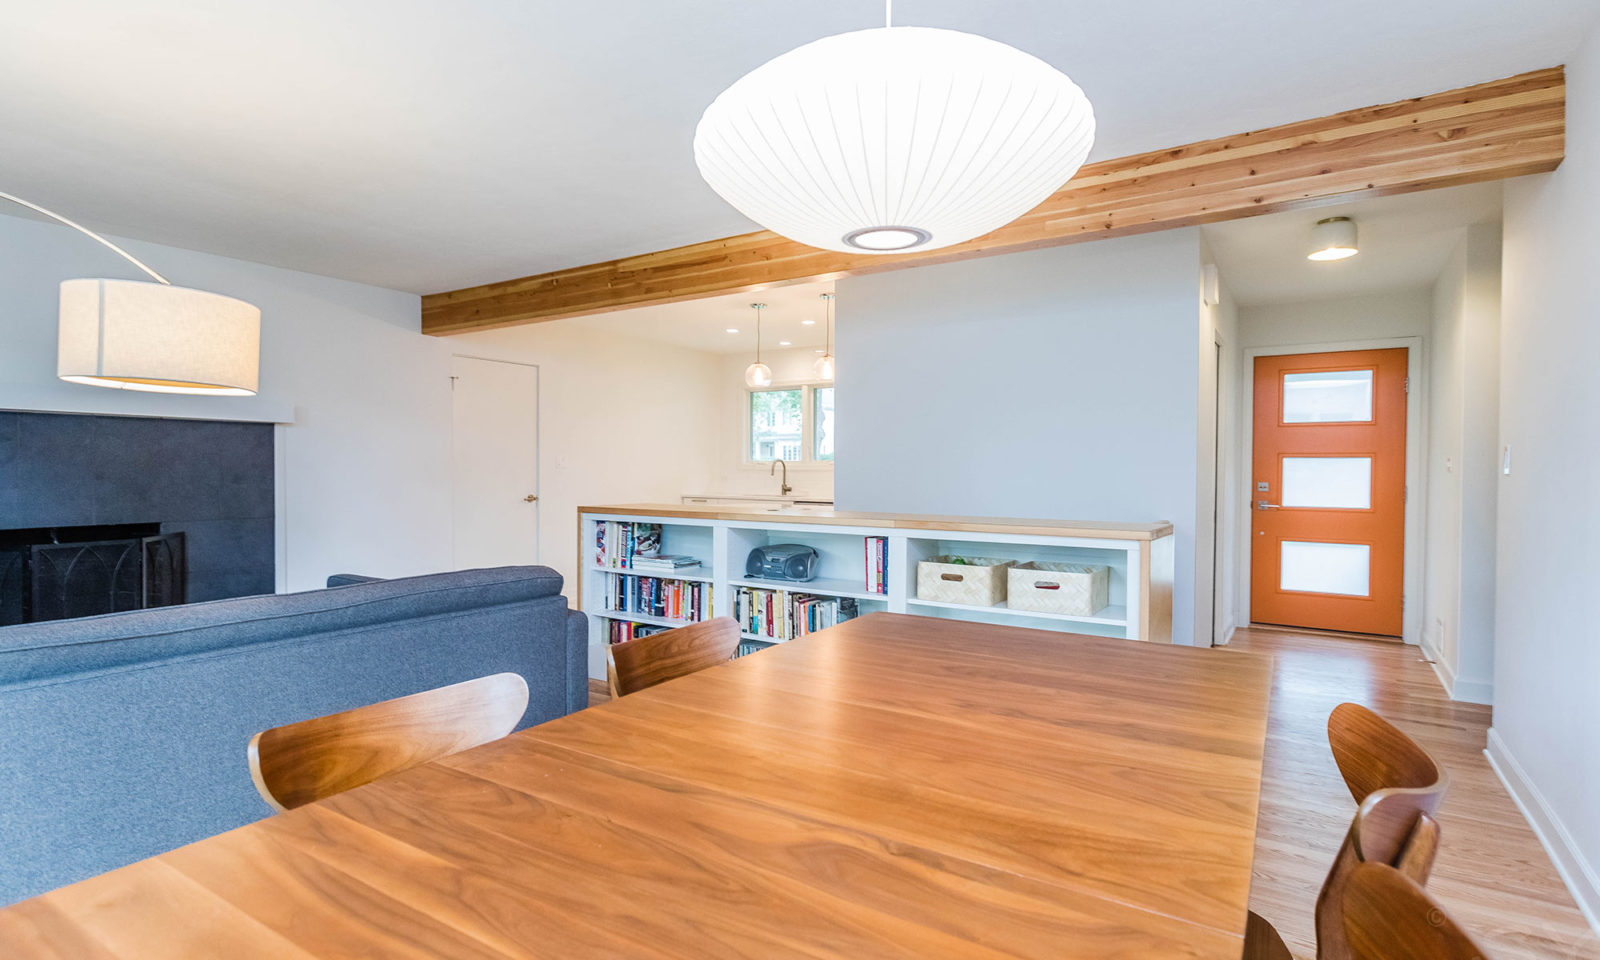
1075	589
980	581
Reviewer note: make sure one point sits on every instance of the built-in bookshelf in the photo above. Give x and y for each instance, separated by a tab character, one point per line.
865	564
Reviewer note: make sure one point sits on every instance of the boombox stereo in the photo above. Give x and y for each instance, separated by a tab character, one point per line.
782	561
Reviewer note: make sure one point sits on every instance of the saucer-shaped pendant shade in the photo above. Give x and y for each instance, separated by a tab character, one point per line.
892	139
135	335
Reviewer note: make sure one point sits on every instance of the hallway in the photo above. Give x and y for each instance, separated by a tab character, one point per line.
1492	874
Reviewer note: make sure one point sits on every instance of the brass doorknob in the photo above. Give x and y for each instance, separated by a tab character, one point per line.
529	498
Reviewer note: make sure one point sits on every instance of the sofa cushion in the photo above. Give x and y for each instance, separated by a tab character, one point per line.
133	743
36	651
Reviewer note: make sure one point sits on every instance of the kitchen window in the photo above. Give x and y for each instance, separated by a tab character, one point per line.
791	423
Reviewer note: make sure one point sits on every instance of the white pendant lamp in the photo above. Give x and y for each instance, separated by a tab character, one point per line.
153	337
894	139
823	368
1333	239
758	374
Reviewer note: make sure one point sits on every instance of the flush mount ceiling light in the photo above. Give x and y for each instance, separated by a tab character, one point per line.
893	139
153	337
758	374
1333	239
823	367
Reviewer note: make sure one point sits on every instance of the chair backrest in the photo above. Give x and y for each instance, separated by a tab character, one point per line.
1398	787
300	763
643	662
1388	917
1373	754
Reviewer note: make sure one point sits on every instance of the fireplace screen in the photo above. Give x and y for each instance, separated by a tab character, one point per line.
56	580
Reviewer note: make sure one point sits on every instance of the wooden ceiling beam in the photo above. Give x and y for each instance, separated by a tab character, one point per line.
1504	128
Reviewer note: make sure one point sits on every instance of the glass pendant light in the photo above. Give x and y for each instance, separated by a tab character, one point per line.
758	374
823	368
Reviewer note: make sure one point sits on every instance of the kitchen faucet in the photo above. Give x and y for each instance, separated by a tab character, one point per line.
774	469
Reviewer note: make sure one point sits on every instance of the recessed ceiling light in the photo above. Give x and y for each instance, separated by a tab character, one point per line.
733	329
785	343
808	323
819	350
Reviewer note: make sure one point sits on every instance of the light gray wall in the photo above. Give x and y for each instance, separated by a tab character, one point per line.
1463	427
1547	642
1054	383
1379	316
364	475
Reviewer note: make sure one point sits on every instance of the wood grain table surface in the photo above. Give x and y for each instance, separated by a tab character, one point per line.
898	786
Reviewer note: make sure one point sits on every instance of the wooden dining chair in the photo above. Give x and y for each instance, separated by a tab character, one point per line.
1397	787
300	763
643	662
1388	917
1373	754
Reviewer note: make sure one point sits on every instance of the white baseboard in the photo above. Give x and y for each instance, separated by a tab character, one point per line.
1467	691
1575	870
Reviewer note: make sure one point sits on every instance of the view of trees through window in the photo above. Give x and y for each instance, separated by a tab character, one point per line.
822	424
775	424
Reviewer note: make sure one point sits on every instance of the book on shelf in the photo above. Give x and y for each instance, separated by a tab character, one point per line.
877	564
618	543
686	600
665	563
621	631
778	615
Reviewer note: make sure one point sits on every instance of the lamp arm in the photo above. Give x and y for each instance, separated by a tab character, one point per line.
88	233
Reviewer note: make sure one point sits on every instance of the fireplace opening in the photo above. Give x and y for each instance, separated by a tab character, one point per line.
53	573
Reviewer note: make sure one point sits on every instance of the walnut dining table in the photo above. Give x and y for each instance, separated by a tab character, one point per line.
898	786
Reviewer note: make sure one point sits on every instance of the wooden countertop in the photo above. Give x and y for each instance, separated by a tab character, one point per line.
896	787
905	521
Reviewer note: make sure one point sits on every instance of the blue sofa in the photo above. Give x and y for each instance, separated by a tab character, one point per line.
124	735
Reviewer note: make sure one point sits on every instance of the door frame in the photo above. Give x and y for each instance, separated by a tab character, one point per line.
538	441
1416	469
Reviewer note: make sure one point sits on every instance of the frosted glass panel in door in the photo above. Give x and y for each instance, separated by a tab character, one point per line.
1328	396
1341	482
1340	568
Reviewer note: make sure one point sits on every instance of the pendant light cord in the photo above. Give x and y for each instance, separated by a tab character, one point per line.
758	307
88	233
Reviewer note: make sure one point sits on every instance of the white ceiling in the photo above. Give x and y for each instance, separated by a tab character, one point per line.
427	145
704	324
1404	242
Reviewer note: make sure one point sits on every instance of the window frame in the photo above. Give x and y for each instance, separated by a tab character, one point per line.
808	389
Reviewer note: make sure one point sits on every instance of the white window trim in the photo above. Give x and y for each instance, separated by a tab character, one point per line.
807	428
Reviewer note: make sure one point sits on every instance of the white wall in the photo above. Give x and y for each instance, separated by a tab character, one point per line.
364	476
364	468
622	420
1546	735
811	481
1217	481
1381	316
1463	428
1055	383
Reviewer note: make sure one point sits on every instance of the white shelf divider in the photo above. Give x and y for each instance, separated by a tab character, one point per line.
1114	615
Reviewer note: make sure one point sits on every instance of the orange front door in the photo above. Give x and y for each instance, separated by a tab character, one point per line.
1328	498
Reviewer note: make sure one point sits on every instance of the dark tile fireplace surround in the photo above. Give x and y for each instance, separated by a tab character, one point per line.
101	513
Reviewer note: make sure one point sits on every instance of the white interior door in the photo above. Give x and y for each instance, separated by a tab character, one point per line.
496	462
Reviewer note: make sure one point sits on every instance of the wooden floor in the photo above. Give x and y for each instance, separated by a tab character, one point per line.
1492	875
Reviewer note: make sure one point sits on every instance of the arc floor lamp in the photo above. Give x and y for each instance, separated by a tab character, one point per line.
151	335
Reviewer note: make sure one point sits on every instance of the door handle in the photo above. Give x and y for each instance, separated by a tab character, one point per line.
529	498
1264	505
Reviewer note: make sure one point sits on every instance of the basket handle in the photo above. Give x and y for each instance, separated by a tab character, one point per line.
956	577
1046	585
